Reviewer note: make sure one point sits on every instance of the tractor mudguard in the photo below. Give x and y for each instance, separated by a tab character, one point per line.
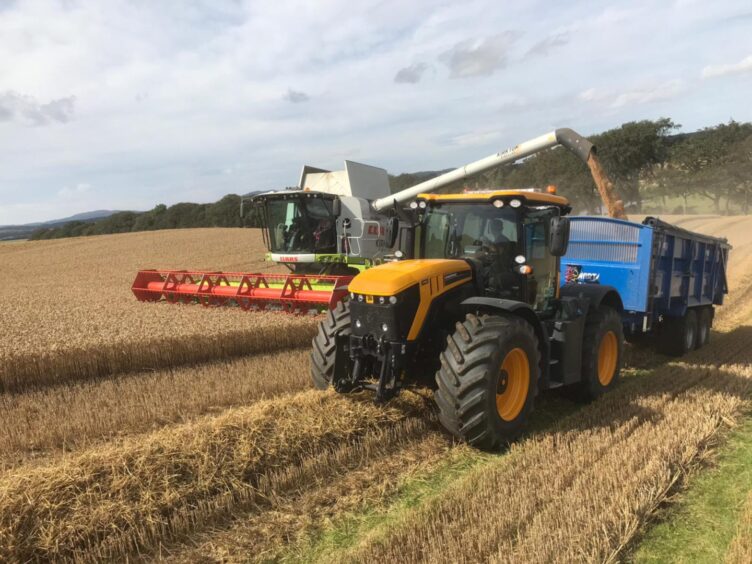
520	309
594	295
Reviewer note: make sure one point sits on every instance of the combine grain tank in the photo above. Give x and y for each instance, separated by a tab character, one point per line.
668	278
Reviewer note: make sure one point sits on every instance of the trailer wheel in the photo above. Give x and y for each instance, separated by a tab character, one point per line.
602	346
337	322
704	322
681	333
487	379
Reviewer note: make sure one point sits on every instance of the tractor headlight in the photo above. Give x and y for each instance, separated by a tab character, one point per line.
352	295
382	300
515	203
422	205
498	203
392	300
413	205
360	297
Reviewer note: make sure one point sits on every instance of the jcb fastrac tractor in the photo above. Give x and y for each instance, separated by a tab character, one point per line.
478	312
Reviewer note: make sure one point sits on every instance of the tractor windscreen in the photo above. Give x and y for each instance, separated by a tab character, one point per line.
457	230
301	224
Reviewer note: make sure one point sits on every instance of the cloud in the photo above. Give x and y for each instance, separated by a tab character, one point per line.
19	107
479	57
475	138
79	189
411	74
546	45
296	96
644	95
743	66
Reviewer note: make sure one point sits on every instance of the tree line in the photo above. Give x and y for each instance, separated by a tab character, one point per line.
654	167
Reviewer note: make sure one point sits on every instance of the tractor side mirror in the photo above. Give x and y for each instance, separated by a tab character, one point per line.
393	231
559	236
337	207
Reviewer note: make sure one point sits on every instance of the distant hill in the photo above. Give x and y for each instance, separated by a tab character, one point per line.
11	232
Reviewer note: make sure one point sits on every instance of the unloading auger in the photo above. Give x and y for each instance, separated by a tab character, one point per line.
334	225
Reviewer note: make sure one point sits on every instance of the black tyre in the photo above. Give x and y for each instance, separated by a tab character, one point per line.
488	379
602	347
680	333
337	322
704	322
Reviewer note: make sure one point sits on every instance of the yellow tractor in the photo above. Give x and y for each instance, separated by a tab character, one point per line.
479	314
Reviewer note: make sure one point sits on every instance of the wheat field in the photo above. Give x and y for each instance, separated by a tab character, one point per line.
198	457
68	312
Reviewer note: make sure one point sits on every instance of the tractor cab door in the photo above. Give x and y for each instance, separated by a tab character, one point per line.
542	283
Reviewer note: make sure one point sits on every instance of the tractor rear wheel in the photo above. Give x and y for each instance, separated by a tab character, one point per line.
488	379
602	346
337	322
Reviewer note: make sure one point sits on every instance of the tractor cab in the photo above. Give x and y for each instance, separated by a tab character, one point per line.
505	235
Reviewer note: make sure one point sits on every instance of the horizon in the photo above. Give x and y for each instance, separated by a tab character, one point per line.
196	102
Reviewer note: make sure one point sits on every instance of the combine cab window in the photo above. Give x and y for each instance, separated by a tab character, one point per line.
301	225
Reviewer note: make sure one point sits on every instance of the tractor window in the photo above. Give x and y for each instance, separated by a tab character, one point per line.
435	233
542	284
458	230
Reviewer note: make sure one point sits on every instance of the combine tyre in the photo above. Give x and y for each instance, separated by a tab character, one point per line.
487	380
337	322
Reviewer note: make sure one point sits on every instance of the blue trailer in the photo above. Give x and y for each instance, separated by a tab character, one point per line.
668	278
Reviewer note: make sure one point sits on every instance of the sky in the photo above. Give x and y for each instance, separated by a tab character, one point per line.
108	104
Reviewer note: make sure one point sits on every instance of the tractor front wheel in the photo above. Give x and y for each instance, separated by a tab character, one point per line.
337	322
487	380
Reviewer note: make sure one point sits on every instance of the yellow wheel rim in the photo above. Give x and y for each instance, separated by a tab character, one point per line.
514	383
608	354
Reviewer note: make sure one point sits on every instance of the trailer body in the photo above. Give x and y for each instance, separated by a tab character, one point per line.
660	271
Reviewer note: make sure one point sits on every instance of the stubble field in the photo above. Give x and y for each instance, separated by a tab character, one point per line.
126	431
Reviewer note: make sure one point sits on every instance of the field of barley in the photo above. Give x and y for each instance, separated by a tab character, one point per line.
182	433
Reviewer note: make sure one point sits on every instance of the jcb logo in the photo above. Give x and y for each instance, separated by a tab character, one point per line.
375	230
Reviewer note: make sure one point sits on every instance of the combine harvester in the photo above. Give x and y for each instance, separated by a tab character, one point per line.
333	226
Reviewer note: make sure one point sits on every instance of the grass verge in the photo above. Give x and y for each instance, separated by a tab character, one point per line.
702	524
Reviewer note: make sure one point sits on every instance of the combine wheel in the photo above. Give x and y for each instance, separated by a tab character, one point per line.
704	322
487	380
337	322
601	352
681	333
